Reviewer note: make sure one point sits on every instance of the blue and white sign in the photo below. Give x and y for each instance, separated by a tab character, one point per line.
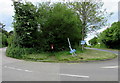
82	42
72	51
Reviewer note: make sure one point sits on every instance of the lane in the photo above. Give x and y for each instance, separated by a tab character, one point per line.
0	65
38	71
16	70
116	52
95	70
20	70
110	67
80	76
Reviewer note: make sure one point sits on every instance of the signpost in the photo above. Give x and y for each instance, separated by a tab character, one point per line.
72	51
82	43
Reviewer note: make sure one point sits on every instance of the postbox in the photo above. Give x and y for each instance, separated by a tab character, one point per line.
52	46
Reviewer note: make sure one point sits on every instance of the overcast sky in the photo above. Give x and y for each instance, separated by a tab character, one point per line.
7	11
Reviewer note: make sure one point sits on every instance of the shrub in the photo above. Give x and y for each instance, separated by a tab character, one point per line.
4	40
45	25
111	36
17	52
10	40
0	39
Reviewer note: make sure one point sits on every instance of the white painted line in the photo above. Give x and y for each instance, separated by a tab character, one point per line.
81	76
28	71
17	69
5	66
110	67
10	67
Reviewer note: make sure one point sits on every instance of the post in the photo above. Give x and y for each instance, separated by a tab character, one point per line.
82	47
82	43
69	44
73	53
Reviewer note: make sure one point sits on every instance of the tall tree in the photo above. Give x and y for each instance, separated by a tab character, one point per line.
58	22
25	24
3	35
111	36
91	14
2	25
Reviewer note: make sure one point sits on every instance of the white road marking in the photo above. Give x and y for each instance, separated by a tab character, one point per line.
110	67
81	76
9	67
17	69
28	71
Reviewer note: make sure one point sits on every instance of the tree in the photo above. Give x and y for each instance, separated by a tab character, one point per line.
91	15
3	35
59	24
4	40
11	33
25	24
2	25
93	41
111	36
2	29
45	24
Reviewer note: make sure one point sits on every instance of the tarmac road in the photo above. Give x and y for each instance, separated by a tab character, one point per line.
20	70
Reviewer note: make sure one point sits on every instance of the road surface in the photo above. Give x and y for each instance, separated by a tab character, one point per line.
20	70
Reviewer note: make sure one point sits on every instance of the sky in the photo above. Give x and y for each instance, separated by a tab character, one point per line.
7	11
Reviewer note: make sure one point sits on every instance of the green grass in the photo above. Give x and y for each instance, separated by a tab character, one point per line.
65	56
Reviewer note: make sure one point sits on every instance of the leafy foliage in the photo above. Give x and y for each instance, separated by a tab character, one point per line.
4	40
37	27
61	23
3	36
91	15
45	24
25	24
111	36
18	52
93	41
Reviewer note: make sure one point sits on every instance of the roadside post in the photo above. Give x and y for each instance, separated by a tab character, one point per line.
72	51
82	43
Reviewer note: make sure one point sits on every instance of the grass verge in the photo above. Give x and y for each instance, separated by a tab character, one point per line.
65	56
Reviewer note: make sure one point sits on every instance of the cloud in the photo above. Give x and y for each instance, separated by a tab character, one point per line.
6	7
110	6
7	11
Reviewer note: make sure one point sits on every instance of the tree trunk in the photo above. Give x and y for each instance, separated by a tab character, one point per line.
83	35
84	22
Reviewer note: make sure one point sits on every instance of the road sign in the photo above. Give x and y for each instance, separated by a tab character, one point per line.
72	51
82	42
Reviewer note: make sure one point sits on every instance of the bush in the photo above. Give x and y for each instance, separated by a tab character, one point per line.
111	36
46	25
0	39
4	40
17	52
10	40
